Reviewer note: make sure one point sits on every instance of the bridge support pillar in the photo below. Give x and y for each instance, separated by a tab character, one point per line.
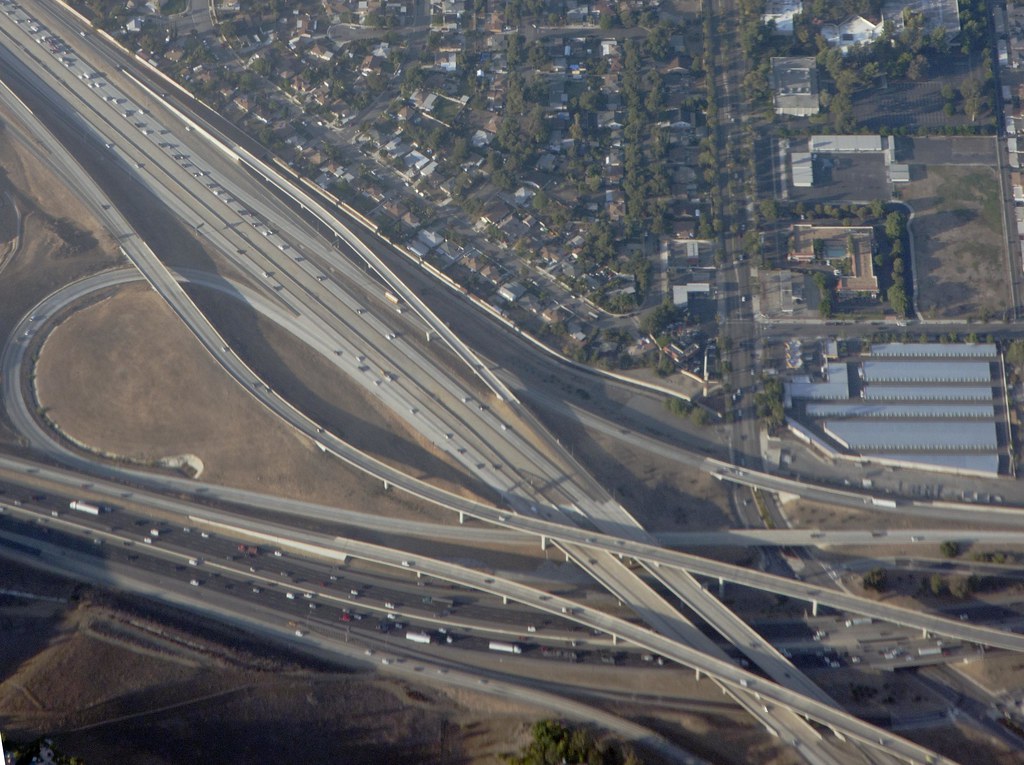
814	608
462	517
543	543
386	486
429	333
615	639
721	588
697	674
504	600
924	634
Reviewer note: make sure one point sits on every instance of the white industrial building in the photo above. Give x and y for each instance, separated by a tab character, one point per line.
933	406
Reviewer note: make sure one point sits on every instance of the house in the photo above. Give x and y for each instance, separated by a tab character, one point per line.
854	30
512	291
447	61
321	53
795	86
495	212
781	13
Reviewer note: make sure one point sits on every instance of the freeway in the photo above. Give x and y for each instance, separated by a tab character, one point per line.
18	409
329	548
324	641
551	530
605	513
165	167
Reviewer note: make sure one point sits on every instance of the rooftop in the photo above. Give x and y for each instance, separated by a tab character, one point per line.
936	350
926	371
914	435
795	82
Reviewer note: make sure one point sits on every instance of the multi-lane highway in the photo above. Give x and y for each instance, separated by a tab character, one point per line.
164	167
331	305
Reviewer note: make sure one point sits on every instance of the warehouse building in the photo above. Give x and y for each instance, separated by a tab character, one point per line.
913	436
926	371
933	406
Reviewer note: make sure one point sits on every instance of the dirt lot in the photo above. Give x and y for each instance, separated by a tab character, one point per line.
959	252
115	684
659	493
178	401
117	680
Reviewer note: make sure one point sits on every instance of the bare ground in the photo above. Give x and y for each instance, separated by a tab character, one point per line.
117	680
659	493
101	390
959	249
110	689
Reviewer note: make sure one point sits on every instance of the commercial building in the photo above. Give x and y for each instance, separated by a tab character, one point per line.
795	86
802	173
932	406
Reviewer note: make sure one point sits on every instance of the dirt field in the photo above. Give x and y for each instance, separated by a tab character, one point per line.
116	685
116	680
659	493
177	401
959	251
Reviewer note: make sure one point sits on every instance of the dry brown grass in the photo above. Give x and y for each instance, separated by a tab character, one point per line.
959	249
125	377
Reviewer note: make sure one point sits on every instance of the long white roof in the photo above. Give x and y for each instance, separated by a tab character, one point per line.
924	436
926	371
936	350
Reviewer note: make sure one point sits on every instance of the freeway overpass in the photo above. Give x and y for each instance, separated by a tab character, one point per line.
609	516
19	410
626	584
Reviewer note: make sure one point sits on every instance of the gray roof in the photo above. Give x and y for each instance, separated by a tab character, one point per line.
918	411
795	81
986	464
803	168
936	350
838	385
926	371
839	144
926	393
922	436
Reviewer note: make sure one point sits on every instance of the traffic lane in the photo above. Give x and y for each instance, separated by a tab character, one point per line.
287	582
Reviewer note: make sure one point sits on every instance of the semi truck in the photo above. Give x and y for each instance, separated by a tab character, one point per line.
929	651
858	620
85	507
497	645
251	550
419	637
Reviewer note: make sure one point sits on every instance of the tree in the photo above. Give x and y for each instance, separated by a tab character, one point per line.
970	92
960	587
936	584
950	549
875	579
1015	353
768	403
894	224
769	210
898	299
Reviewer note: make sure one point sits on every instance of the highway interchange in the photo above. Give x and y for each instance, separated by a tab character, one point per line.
327	300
